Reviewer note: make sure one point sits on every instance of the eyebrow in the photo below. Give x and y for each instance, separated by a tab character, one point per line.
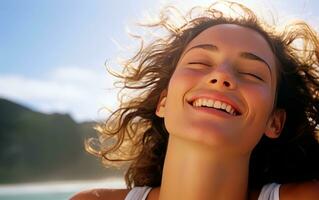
245	55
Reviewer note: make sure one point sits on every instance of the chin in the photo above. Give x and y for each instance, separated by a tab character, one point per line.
213	136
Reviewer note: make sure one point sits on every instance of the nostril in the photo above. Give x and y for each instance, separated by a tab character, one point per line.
214	81
227	84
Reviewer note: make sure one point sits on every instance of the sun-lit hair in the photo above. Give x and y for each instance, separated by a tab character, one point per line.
133	134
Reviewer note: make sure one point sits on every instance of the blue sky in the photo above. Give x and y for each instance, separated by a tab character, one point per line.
52	52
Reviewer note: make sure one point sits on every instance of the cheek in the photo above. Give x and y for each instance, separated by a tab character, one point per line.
185	78
260	99
260	103
181	82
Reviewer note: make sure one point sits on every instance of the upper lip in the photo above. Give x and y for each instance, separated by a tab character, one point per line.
215	96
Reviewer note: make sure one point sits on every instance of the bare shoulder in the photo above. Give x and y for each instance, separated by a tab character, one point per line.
101	194
305	190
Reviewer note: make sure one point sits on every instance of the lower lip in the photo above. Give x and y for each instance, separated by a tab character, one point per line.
212	111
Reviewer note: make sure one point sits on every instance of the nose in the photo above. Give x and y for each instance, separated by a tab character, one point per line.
225	83
222	77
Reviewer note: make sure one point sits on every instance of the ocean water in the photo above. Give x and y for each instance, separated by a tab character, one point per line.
42	196
54	190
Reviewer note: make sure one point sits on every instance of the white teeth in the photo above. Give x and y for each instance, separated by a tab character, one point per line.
228	108
217	104
214	104
210	103
224	105
232	112
205	102
201	102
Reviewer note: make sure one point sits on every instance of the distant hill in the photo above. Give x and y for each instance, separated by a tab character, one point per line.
37	147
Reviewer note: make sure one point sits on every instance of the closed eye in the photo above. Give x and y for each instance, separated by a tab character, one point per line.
252	75
199	63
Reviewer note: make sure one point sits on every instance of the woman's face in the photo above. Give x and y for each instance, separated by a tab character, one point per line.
222	91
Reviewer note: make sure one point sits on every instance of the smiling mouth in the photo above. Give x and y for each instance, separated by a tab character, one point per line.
216	105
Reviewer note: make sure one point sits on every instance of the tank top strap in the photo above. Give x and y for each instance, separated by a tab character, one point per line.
138	193
269	192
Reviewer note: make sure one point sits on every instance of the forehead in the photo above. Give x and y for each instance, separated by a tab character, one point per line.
234	38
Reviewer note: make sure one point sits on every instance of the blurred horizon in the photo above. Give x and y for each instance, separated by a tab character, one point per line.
53	53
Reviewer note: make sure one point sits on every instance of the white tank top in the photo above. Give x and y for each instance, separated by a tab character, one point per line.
268	192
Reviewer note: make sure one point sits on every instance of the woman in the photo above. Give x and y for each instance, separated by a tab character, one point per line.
227	109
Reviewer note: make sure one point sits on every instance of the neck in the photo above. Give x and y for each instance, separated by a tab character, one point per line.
194	171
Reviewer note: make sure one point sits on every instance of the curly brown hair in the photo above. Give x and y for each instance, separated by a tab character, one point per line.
134	134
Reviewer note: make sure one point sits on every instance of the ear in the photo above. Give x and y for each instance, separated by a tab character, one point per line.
160	109
276	123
